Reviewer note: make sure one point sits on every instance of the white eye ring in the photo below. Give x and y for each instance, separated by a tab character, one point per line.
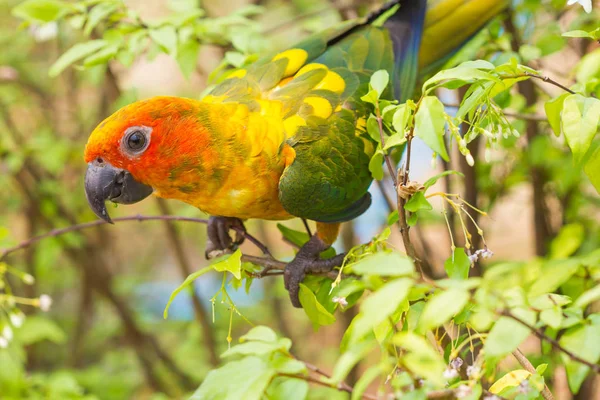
136	140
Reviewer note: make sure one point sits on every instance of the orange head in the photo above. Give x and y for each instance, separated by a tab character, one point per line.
144	147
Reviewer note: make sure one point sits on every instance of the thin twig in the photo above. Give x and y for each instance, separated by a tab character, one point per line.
525	363
553	342
305	222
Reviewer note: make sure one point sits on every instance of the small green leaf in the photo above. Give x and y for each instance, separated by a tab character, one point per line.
385	264
373	128
75	53
401	118
567	241
296	237
166	38
376	165
188	281
554	273
418	202
232	264
260	333
591	168
441	307
553	109
430	123
102	56
187	57
365	381
393	217
313	309
421	358
379	306
257	348
349	359
371	97
458	264
245	379
507	334
41	11
552	317
433	180
582	341
97	14
36	328
379	81
580	118
588	297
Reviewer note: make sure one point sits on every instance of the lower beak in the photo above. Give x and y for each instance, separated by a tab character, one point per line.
104	182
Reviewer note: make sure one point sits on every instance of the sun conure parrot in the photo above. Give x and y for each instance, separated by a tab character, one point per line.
283	137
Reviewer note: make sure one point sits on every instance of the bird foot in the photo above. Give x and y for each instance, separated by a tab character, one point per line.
219	241
307	261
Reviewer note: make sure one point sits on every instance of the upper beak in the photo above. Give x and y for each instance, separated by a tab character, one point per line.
104	182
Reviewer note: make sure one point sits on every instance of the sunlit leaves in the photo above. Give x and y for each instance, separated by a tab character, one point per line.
314	310
582	341
507	334
458	264
580	119
41	11
441	307
420	357
74	54
384	264
429	125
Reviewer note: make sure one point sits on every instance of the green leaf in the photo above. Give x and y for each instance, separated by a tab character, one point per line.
166	38
36	328
296	237
591	168
401	118
187	57
433	180
97	14
552	317
421	358
379	81
379	306
365	381
313	309
371	97
511	379
418	202
567	241
429	125
188	281
588	297
41	11
232	263
102	56
245	379
458	264
507	334
589	67
554	273
594	35
384	264
373	128
257	348
260	333
469	71
376	165
395	140
75	53
582	341
441	307
349	359
580	118
287	388
553	109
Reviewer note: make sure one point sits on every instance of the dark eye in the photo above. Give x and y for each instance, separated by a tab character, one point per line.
136	140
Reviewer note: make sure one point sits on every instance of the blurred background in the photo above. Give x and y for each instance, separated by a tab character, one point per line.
104	335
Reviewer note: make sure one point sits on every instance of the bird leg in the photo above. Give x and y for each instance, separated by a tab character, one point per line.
219	241
307	261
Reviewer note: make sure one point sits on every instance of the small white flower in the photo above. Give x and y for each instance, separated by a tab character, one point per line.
45	302
340	300
463	391
473	371
586	4
43	33
3	342
17	318
456	363
473	258
485	253
450	373
7	333
470	160
28	279
491	397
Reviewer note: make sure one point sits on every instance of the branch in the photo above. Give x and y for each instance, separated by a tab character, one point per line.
525	363
553	342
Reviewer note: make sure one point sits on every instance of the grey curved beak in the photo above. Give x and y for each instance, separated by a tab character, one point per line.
104	182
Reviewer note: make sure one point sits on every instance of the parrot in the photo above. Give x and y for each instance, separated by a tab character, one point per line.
283	137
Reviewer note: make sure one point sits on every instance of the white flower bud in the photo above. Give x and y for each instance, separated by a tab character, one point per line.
7	333
450	373
28	279
3	342
340	300
470	159
463	391
45	302
17	318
